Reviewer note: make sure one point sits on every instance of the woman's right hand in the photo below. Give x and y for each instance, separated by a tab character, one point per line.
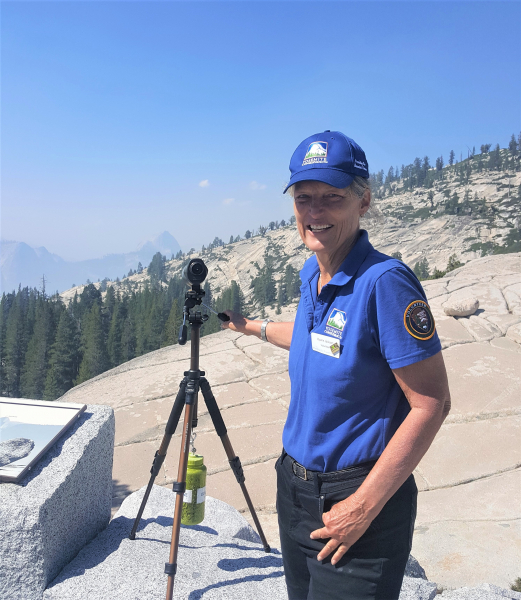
237	322
278	334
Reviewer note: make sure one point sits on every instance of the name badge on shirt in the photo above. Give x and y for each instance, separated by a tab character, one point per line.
325	344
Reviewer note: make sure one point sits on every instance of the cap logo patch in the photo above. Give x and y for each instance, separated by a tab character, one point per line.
336	323
317	153
418	320
360	164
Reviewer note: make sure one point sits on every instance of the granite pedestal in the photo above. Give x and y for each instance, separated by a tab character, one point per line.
58	507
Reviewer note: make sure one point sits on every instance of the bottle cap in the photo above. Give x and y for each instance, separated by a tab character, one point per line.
195	460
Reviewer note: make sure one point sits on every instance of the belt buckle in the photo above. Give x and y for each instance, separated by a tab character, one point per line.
298	467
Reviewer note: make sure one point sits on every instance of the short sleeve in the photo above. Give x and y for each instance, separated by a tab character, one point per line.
400	319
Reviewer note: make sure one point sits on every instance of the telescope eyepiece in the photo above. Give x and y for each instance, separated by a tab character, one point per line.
195	271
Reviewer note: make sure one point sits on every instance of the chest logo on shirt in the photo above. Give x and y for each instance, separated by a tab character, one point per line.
418	320
336	323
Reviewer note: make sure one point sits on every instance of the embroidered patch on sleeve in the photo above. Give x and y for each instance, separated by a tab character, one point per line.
418	320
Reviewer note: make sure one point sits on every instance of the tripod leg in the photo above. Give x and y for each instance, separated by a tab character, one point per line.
234	460
180	485
173	420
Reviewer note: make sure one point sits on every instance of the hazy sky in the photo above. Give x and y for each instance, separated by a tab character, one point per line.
123	119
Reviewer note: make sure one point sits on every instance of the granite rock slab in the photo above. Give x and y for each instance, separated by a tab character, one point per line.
58	507
481	592
221	558
478	441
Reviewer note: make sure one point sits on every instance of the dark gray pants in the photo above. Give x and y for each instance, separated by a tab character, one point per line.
372	569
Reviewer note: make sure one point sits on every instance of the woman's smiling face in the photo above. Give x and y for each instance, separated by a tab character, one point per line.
327	217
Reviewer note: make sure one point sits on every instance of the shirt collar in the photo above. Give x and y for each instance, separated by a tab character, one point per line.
348	268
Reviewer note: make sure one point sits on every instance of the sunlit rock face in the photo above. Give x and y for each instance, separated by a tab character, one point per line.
468	480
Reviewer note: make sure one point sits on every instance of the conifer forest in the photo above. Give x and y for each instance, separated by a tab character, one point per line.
47	347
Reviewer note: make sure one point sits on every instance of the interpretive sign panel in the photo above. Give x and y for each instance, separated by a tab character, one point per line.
28	428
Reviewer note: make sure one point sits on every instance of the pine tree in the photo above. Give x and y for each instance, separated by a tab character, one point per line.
15	346
451	158
128	336
452	205
64	357
282	297
38	352
115	333
156	269
453	263
421	269
173	325
291	283
88	297
95	358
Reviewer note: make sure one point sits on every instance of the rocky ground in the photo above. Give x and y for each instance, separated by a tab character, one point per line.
468	526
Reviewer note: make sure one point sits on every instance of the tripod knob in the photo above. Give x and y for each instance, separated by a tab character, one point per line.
183	335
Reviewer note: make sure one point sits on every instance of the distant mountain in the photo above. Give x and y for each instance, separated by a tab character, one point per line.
22	265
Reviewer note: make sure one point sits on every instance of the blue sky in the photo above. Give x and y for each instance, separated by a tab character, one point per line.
113	113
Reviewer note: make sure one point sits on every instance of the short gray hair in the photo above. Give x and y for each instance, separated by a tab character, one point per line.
358	187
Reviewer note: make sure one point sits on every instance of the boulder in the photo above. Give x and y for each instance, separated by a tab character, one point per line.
217	558
418	589
12	450
220	558
461	307
485	591
58	507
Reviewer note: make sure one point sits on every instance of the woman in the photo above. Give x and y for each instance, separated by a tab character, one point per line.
368	390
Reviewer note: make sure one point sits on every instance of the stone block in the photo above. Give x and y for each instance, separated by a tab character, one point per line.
217	558
482	592
220	558
58	507
417	589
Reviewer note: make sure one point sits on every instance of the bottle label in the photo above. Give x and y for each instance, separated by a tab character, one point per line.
201	495
187	497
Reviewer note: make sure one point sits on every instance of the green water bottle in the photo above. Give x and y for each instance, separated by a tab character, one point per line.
195	494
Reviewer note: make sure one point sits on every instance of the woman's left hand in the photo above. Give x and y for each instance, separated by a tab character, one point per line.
345	523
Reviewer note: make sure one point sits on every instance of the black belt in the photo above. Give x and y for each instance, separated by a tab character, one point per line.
307	475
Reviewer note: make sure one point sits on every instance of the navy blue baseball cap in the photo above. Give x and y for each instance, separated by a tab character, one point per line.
330	157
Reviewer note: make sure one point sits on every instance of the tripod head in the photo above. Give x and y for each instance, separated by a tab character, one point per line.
195	273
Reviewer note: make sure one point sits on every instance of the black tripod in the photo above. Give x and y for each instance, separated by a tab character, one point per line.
187	396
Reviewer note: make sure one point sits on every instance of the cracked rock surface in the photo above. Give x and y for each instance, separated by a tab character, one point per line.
469	516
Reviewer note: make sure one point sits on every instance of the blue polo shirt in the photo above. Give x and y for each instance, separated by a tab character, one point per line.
370	318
